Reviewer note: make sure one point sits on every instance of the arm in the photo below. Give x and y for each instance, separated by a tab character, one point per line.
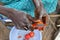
37	3
38	6
19	18
7	11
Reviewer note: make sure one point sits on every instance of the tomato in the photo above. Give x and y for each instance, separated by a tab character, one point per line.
31	34
27	36
40	28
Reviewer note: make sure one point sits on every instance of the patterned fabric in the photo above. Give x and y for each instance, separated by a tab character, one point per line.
50	5
28	6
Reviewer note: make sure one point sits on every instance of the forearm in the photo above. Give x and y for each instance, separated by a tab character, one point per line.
36	3
38	6
6	11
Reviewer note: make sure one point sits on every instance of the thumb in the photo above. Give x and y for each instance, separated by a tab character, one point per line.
30	18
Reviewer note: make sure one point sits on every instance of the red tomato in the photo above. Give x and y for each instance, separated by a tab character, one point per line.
31	34
40	28
27	36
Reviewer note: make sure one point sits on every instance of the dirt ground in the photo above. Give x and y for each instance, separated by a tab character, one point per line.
4	32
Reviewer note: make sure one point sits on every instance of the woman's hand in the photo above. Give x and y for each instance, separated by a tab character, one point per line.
19	18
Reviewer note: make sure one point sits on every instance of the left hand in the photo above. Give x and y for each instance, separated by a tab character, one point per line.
38	8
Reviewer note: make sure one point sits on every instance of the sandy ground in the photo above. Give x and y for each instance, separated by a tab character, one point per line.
4	32
58	36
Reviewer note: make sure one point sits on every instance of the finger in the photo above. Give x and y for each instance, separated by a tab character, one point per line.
30	18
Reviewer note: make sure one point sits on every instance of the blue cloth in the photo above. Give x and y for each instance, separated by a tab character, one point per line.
50	5
28	6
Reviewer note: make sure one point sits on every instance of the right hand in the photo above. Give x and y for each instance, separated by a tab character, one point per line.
20	19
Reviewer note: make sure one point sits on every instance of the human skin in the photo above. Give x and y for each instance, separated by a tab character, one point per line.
20	19
38	8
